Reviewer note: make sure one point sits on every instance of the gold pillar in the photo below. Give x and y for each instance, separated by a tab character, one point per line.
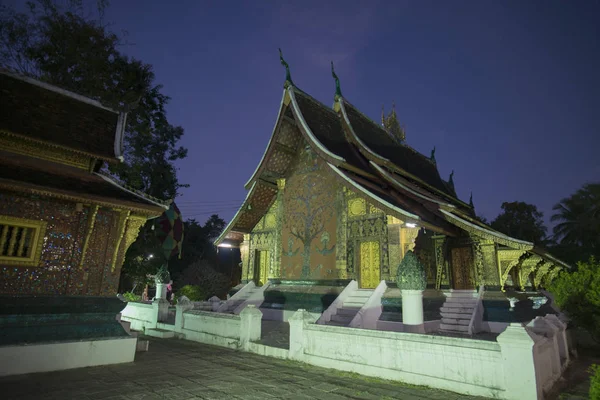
90	228
123	215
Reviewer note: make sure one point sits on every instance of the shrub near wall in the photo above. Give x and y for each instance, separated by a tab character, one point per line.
595	382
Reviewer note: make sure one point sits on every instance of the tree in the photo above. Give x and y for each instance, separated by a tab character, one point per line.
198	244
521	221
578	294
63	47
202	274
578	227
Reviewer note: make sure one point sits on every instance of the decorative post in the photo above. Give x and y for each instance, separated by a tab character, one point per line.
516	346
250	326
298	322
412	280
183	304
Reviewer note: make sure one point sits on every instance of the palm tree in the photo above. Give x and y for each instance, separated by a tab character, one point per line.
578	217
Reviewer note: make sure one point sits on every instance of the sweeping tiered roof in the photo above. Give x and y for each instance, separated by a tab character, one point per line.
367	159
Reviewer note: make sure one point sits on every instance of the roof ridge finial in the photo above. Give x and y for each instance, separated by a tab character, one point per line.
451	180
471	200
338	90
432	156
383	115
288	76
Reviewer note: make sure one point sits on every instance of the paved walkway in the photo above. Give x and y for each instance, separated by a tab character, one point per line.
176	369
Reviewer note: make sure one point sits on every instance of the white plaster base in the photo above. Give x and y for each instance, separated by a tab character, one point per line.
412	308
393	326
26	359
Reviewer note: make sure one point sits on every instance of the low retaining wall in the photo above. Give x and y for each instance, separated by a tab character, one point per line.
142	316
513	367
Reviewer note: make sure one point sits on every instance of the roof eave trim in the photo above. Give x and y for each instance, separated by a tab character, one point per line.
355	136
373	196
233	221
114	183
308	132
254	176
487	231
58	90
386	175
552	258
120	136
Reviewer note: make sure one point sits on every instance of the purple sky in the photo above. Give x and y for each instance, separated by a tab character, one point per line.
508	91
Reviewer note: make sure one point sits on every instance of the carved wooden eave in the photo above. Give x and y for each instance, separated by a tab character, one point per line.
135	193
149	210
549	257
259	199
376	158
489	234
391	209
262	165
396	183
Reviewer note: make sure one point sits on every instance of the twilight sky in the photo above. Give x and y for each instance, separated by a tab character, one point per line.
508	91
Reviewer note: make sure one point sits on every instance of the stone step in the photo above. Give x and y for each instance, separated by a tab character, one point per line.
160	333
364	294
335	323
455	321
454	328
347	311
353	304
142	345
464	300
463	293
457	310
456	315
345	318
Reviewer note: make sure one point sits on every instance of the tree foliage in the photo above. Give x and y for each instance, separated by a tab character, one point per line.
65	47
578	295
522	221
578	224
203	275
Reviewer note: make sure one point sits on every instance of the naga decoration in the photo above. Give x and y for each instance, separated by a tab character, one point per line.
288	76
338	90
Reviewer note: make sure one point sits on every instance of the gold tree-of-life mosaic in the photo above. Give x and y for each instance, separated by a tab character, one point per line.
309	209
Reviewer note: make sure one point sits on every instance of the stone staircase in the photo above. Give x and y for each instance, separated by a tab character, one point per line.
249	295
457	311
350	307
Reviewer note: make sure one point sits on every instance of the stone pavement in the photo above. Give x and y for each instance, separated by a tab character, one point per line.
176	369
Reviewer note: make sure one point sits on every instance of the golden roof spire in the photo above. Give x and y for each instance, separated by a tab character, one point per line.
392	125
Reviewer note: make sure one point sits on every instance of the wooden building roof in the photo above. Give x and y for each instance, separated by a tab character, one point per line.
366	158
53	116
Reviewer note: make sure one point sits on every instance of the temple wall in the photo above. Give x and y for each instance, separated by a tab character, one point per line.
58	270
309	221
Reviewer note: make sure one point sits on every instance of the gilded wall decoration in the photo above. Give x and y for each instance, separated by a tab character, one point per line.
394	250
341	235
370	261
365	228
309	217
478	260
490	264
424	250
463	275
441	275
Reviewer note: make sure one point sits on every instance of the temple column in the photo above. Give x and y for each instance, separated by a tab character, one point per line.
245	255
439	243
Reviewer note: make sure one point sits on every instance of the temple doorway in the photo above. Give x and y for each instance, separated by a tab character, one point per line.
462	269
261	267
369	265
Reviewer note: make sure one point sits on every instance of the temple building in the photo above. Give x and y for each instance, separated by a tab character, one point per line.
64	226
338	197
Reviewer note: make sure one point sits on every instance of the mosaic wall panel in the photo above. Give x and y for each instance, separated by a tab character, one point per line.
309	233
59	272
490	265
289	136
424	250
394	249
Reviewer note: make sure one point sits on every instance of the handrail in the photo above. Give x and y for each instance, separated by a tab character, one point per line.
477	312
338	302
369	313
255	298
249	286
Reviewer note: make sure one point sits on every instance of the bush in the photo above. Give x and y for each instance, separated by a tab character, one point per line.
130	296
595	382
411	273
202	274
578	295
192	292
